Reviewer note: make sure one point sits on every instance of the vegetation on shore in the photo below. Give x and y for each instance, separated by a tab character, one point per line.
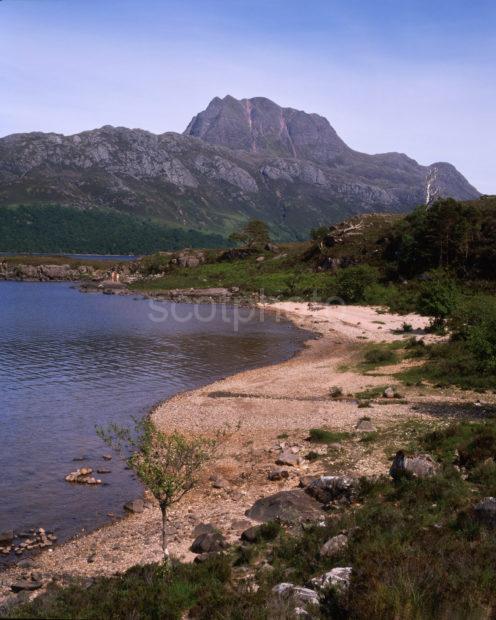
417	548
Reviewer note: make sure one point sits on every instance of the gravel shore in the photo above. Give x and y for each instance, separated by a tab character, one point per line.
262	410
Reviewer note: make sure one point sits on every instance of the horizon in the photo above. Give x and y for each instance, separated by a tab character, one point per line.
415	79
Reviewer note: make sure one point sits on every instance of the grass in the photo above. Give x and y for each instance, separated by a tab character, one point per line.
272	277
415	547
322	435
371	393
449	363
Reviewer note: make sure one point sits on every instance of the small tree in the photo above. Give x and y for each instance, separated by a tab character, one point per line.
254	234
351	283
439	297
168	464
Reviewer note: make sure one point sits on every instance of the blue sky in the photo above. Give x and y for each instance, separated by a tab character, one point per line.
390	75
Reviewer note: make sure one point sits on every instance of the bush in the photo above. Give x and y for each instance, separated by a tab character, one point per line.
474	322
378	356
321	435
351	283
439	297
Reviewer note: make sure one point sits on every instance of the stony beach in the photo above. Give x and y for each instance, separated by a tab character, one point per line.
266	414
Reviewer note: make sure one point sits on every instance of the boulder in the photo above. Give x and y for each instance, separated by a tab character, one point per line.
417	466
328	488
286	506
306	480
135	505
278	473
252	534
389	392
485	511
271	247
220	483
6	537
333	546
288	458
338	578
298	594
209	542
365	425
25	585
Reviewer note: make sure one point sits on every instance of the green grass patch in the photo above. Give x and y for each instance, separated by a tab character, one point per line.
322	435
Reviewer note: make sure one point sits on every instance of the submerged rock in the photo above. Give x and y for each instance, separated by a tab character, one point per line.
135	505
82	476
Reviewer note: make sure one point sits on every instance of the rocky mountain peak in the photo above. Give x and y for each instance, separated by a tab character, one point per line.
261	126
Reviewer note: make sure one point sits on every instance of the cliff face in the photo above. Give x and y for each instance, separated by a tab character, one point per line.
236	160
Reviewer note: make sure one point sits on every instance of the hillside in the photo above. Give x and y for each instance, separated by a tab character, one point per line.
237	160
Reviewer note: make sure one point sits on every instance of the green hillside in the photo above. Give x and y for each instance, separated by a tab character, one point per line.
52	228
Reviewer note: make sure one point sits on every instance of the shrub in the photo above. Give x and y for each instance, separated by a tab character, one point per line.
379	356
322	435
439	297
351	283
475	323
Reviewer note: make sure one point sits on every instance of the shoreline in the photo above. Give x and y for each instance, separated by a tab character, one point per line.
280	399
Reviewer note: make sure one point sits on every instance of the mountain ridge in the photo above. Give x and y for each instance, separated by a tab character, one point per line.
237	159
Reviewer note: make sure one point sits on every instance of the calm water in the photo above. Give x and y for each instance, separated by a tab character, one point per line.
69	361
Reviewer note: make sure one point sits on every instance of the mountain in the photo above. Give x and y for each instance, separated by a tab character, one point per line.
237	159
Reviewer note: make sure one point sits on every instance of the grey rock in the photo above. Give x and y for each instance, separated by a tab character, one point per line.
333	546
286	506
6	537
25	585
365	425
252	534
389	392
278	473
485	511
418	465
307	480
328	488
298	594
288	458
338	577
209	542
135	506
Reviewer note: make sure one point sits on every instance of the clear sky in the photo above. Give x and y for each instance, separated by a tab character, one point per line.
417	76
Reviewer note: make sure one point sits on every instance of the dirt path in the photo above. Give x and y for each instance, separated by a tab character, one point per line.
273	406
